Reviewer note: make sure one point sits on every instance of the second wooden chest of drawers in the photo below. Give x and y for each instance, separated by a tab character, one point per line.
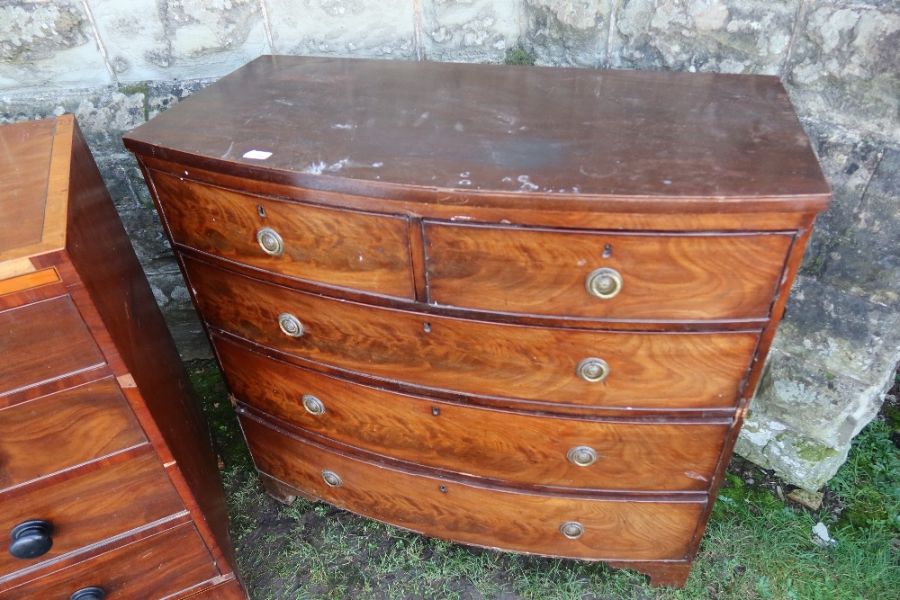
519	308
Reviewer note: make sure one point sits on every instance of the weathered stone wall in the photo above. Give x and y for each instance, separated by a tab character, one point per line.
116	63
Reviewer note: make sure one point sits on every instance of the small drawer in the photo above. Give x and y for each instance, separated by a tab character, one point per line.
502	445
42	342
341	248
569	366
154	567
87	506
604	275
63	430
592	527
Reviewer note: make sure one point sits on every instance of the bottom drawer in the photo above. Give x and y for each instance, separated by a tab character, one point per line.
599	528
155	567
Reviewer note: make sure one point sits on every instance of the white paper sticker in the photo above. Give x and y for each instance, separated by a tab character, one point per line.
257	154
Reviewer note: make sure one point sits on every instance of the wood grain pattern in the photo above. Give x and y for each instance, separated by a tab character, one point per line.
89	505
25	162
155	567
635	214
492	518
28	280
79	424
665	277
527	363
339	248
43	341
506	446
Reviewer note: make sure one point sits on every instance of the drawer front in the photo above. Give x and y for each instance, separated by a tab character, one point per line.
89	506
490	517
63	430
43	341
660	277
501	445
335	247
530	363
158	566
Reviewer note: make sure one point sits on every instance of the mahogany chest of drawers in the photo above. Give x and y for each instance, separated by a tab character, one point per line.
519	308
108	480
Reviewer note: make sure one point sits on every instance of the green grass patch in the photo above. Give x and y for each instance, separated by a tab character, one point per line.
756	546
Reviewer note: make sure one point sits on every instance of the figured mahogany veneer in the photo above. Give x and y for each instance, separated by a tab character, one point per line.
108	477
520	308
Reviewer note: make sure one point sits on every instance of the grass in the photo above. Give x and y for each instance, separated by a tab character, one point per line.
756	546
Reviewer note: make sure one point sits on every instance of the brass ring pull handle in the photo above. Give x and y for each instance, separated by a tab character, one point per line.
582	456
270	241
313	405
593	370
603	283
290	325
572	530
331	478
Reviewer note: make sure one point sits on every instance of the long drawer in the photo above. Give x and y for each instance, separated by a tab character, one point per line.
334	247
43	341
502	445
155	567
577	527
79	424
649	276
87	506
575	367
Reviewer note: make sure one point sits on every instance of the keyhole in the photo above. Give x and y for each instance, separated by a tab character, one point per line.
427	327
435	411
261	211
607	250
443	489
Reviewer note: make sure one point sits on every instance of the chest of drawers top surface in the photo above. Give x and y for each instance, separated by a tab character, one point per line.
538	133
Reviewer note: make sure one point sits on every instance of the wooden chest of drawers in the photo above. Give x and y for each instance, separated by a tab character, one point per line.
520	308
108	480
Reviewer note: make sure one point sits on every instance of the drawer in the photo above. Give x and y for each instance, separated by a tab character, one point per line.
89	505
163	564
604	275
65	429
502	445
43	341
510	361
335	247
482	516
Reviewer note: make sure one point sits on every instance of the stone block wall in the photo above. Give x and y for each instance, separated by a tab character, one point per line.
116	63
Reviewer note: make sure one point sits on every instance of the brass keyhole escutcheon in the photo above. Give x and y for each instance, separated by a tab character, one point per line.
572	530
603	283
582	456
593	370
270	241
290	325
313	405
331	478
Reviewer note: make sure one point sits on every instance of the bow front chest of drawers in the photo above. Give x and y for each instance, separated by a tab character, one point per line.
519	308
108	481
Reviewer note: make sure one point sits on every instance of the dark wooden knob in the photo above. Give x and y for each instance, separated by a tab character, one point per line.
89	593
31	539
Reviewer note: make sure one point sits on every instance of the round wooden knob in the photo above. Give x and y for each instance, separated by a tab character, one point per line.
582	456
290	325
593	370
31	539
89	593
603	283
270	241
572	530
313	405
331	478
